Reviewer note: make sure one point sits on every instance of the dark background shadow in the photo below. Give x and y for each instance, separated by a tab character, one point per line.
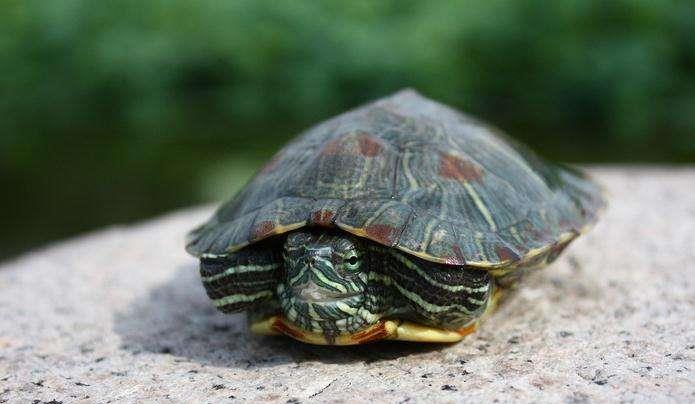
176	318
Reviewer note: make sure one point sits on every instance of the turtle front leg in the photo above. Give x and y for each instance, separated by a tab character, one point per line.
443	296
241	281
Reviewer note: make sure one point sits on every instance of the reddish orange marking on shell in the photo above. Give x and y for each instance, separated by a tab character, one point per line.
348	144
368	146
467	330
333	147
263	229
382	233
280	326
506	254
458	259
458	169
375	333
322	217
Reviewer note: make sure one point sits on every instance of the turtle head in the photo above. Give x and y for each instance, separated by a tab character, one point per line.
325	283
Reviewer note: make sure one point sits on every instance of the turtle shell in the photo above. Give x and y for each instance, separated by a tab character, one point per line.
412	174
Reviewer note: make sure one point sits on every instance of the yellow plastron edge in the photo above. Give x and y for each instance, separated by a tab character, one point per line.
384	329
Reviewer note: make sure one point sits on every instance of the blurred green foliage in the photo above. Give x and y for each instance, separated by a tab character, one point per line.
115	110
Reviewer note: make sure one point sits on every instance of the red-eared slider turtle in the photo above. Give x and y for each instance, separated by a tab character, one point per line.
401	219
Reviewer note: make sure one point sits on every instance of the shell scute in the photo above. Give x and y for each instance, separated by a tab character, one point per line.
458	168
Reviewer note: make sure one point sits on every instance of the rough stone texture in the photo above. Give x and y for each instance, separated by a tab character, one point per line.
119	315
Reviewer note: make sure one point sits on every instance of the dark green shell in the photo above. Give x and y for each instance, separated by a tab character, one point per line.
412	174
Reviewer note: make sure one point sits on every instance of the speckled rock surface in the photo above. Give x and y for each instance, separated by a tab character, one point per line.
119	316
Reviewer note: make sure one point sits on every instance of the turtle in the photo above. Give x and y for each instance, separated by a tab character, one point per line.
402	219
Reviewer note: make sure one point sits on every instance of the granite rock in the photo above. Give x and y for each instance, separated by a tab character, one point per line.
119	315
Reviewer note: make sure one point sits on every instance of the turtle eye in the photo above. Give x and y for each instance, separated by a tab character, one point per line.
352	262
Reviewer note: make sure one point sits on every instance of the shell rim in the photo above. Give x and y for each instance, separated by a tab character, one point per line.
565	237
